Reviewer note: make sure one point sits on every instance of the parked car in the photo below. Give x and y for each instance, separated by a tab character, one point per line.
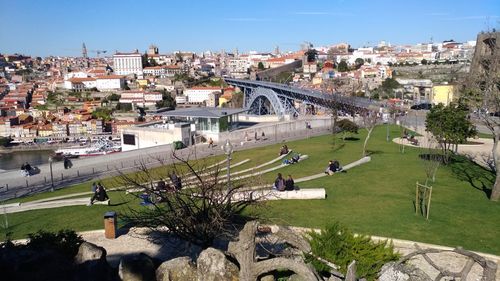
422	106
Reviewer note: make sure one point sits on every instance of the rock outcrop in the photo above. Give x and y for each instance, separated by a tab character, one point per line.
138	267
212	265
177	269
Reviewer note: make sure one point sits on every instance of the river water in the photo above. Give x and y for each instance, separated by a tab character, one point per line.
14	160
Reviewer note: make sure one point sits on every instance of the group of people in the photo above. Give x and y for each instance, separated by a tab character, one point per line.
283	150
333	167
281	184
410	137
176	185
99	193
255	136
26	169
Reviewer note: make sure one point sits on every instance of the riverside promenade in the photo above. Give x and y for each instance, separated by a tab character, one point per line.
13	184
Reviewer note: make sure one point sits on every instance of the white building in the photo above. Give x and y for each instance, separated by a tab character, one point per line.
110	82
200	94
102	83
128	63
140	98
149	135
154	71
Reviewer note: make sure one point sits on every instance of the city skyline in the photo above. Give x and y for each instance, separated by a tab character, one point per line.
43	28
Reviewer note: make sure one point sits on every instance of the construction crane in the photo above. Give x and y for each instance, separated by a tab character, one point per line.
98	52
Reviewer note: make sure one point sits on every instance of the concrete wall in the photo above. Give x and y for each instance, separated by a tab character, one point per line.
149	137
282	129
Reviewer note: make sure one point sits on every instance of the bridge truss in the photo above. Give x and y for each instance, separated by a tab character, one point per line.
263	98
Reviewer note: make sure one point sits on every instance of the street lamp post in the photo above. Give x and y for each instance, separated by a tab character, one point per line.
51	174
228	150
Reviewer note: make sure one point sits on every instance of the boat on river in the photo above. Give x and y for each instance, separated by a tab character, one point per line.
101	147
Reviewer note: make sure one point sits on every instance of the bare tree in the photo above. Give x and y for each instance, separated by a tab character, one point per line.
482	92
202	211
370	120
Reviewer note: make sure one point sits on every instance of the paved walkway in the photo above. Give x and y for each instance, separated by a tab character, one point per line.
63	201
480	153
112	164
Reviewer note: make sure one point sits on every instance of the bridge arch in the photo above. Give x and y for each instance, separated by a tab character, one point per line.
263	101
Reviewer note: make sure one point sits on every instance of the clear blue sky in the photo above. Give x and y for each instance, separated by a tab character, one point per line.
43	27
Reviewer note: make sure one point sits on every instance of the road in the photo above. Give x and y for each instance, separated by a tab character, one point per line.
13	184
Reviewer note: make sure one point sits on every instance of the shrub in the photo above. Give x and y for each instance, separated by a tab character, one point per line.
338	245
65	241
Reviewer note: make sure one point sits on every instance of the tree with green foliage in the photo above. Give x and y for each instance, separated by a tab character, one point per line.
342	67
450	126
338	245
359	62
144	59
347	127
167	101
124	106
389	85
114	97
311	55
5	141
102	113
152	62
260	66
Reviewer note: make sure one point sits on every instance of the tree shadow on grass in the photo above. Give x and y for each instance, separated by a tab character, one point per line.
373	152
479	177
352	139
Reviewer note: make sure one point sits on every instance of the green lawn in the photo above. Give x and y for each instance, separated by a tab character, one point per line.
375	198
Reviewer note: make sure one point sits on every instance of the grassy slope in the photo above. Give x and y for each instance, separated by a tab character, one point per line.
375	198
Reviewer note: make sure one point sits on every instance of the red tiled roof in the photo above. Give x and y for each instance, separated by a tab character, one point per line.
110	77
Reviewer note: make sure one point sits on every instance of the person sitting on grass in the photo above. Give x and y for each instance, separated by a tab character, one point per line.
295	158
289	183
176	181
333	167
283	150
413	140
279	183
100	194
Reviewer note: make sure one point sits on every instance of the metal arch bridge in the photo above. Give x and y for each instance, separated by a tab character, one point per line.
273	98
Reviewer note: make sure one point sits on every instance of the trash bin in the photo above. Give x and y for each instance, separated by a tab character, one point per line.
110	225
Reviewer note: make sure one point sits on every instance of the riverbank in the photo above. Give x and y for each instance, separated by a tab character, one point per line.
34	147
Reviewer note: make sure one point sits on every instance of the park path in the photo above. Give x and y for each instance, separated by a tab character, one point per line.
63	201
13	184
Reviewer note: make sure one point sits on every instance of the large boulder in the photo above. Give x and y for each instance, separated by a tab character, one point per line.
89	252
400	272
136	267
90	262
212	265
178	269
